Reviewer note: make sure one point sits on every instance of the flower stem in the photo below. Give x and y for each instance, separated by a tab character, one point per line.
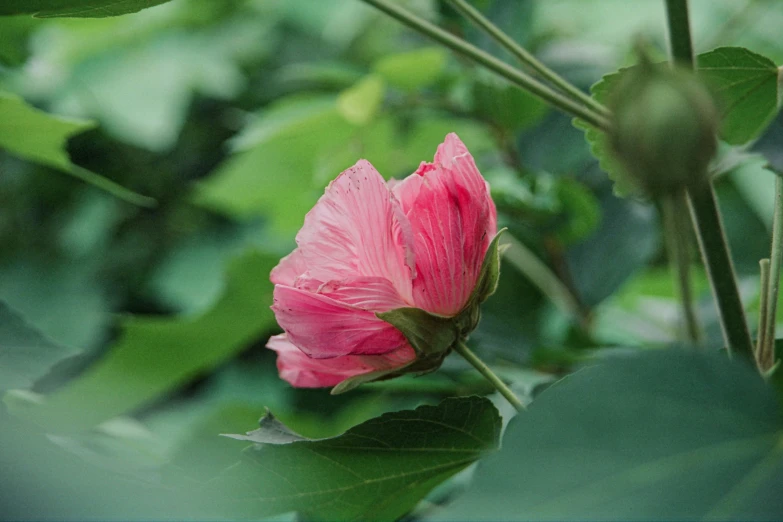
705	215
771	294
462	349
761	339
680	32
520	79
715	251
674	212
475	16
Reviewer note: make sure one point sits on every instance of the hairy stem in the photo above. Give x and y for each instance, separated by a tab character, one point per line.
462	349
475	16
519	78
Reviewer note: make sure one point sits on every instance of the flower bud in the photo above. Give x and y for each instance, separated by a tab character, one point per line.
664	131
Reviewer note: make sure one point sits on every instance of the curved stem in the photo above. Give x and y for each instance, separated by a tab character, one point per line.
475	16
462	349
515	76
673	207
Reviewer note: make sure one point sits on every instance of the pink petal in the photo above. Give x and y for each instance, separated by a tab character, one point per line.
357	229
453	220
288	269
305	372
324	327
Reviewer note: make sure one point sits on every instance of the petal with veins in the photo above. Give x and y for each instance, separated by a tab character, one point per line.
305	372
324	327
358	229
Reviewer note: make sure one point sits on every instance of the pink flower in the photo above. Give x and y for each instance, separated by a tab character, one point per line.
369	247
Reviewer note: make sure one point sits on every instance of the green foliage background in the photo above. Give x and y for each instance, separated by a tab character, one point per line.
155	166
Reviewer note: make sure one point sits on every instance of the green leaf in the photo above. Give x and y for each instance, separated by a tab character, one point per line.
657	435
25	354
360	103
489	274
270	431
272	173
154	355
412	70
599	141
427	333
40	137
76	8
507	105
377	470
747	87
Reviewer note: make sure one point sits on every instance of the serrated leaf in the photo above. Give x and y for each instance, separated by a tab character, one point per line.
600	147
377	470
154	355
76	8
747	87
270	431
39	137
657	435
26	355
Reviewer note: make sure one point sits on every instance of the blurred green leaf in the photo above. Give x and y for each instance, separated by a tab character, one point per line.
155	355
746	86
507	105
76	8
377	470
657	435
359	103
13	44
25	354
580	209
273	174
67	301
625	241
40	137
412	70
646	309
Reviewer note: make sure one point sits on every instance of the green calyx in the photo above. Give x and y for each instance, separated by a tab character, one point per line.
433	336
664	130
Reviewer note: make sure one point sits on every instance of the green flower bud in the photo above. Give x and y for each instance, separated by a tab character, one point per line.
664	131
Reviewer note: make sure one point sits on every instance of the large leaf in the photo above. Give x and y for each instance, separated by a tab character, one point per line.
657	435
40	137
377	470
25	354
76	8
747	87
156	354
